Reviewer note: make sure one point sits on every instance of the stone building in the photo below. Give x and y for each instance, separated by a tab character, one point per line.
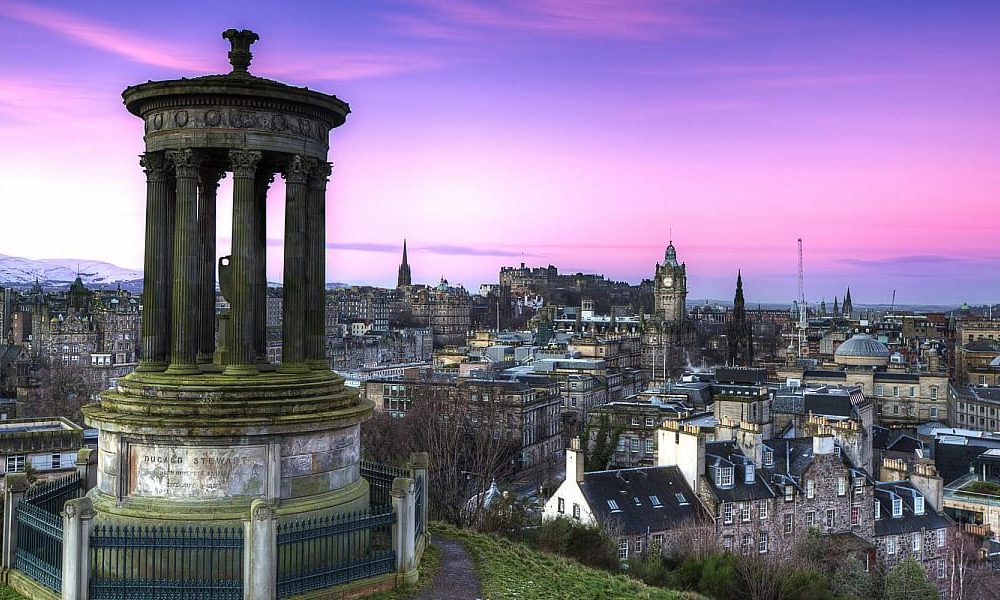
630	427
446	309
43	444
667	332
974	407
909	525
977	343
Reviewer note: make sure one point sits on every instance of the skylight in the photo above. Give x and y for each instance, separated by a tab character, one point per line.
613	505
681	499
655	501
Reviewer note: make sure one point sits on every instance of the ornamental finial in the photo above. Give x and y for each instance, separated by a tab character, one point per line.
240	55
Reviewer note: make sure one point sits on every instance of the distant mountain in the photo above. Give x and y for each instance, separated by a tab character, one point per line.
60	272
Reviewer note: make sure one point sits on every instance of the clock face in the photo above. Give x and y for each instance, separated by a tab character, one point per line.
668	281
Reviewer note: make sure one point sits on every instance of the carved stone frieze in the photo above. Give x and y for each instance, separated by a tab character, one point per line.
236	118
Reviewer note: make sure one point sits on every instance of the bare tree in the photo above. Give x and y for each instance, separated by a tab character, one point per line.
62	392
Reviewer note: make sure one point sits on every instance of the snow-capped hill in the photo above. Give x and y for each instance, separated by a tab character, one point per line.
17	271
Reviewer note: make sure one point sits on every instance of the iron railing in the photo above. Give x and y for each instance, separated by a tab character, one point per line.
40	529
380	478
51	495
418	506
39	545
325	551
166	563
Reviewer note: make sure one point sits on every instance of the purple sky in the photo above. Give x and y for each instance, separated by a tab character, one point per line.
572	132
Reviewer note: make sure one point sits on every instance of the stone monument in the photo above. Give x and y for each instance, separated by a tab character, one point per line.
198	433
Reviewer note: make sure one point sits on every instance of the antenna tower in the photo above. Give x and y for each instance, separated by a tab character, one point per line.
803	323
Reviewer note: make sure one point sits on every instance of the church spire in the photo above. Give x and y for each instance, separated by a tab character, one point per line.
403	278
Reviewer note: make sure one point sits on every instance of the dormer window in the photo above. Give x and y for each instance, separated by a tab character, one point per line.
897	507
748	475
724	477
768	458
878	510
637	501
918	505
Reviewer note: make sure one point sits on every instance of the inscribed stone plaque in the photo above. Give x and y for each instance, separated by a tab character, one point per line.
197	471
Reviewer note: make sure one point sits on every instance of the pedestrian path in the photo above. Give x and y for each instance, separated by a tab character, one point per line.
457	579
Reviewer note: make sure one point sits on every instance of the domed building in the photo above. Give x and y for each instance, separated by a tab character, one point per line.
862	350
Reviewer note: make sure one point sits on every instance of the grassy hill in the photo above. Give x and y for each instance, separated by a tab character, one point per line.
512	570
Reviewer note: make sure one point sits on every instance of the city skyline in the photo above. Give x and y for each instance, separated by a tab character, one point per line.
557	133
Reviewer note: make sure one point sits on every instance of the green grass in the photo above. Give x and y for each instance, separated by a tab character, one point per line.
430	565
8	594
512	570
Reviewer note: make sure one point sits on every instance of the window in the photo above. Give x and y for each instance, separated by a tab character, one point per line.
638	545
940	538
613	505
879	390
913	391
727	513
831	518
810	518
916	542
561	506
895	409
810	489
789	493
56	460
748	474
762	543
768	458
934	412
637	501
918	505
635	444
789	524
681	499
745	512
933	392
841	486
890	544
635	420
940	568
649	446
623	549
576	511
727	542
655	501
657	543
895	391
855	516
650	421
878	510
724	476
762	510
621	444
15	463
746	542
897	507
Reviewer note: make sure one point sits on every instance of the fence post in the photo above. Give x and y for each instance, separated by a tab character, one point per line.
78	520
86	468
16	485
260	552
419	463
403	532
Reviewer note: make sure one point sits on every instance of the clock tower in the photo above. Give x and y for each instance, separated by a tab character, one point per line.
671	287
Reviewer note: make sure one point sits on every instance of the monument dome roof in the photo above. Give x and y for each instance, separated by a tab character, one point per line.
862	345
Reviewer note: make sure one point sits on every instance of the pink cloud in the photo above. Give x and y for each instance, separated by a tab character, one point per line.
349	66
139	49
628	19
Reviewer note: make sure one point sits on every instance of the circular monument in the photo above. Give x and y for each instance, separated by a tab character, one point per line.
206	425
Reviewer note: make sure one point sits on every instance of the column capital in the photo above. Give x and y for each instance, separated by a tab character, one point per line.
244	162
186	162
211	176
298	169
319	174
155	165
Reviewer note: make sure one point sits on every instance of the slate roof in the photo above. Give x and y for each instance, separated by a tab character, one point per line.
824	374
633	492
741	375
909	522
898	377
728	454
828	403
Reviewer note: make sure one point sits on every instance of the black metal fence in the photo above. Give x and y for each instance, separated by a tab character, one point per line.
418	507
166	563
380	478
39	545
40	529
325	551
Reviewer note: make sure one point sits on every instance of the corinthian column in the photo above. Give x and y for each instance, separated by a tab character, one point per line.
155	274
294	285
208	185
244	166
316	269
184	347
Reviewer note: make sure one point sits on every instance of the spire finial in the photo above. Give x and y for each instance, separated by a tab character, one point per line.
240	56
